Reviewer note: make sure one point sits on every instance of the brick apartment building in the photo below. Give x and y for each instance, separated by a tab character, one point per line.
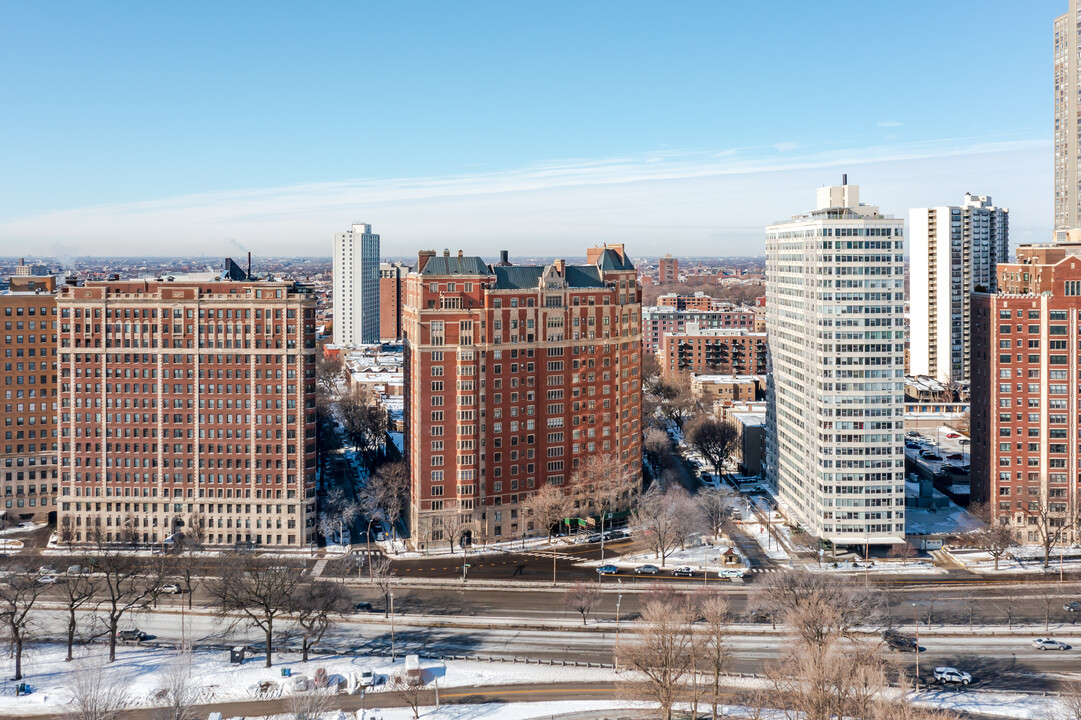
30	475
697	301
184	405
713	351
513	375
664	320
668	270
391	287
1025	390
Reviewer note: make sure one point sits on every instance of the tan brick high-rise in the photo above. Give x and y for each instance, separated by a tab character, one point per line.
187	405
514	374
29	474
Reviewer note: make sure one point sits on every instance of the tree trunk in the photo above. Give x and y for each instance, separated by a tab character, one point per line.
113	622
269	641
71	633
17	646
304	649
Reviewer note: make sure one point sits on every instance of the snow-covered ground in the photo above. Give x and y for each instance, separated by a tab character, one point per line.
948	519
144	671
880	567
701	556
1023	559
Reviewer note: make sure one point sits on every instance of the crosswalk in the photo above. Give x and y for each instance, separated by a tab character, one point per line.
319	567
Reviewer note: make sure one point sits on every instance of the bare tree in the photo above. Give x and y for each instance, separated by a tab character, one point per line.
996	536
904	551
365	423
1049	598
410	689
455	525
94	696
1048	524
79	590
18	595
1008	604
662	519
128	584
676	402
716	650
601	484
328	371
715	439
655	447
177	696
583	597
546	507
658	652
316	605
1069	703
256	591
714	504
818	608
386	492
338	513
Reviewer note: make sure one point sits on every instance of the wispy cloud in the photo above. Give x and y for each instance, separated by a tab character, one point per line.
786	146
890	123
697	194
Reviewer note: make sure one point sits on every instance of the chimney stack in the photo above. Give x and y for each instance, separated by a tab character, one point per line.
844	179
249	265
423	257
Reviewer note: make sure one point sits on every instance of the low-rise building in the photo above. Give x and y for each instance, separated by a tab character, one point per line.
734	352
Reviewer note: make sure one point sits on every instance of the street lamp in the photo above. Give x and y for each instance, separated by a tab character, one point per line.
619	601
916	620
392	653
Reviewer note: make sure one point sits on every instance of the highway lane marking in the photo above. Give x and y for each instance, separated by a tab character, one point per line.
524	692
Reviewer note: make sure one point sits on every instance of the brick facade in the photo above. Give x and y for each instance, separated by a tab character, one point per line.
513	375
187	405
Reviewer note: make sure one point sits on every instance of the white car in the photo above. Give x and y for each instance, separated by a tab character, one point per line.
365	678
952	675
730	573
171	588
47	580
1049	644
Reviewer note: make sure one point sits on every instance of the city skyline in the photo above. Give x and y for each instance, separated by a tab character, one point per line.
474	132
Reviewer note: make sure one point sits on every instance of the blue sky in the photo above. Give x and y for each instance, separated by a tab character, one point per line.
128	128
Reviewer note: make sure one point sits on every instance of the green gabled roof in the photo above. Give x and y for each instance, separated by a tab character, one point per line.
528	277
454	265
610	260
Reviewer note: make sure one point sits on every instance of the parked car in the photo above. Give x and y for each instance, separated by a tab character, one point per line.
964	441
47	579
955	456
594	538
730	573
912	446
131	635
646	570
1044	643
1072	606
953	436
685	571
46	570
956	469
952	675
366	678
76	570
363	607
617	534
607	570
899	641
171	588
912	434
930	455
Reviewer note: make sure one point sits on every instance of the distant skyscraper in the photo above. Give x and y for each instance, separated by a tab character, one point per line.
668	270
391	287
356	286
954	250
834	318
1067	76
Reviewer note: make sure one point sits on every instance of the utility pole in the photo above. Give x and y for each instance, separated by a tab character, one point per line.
619	601
916	620
392	653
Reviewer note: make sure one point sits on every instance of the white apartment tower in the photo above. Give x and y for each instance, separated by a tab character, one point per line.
356	286
954	251
1067	77
835	322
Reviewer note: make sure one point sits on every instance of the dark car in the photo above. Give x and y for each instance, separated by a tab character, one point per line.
900	642
955	456
684	572
1072	606
363	607
132	635
647	570
955	470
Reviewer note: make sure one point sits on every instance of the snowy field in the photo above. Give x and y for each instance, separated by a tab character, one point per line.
144	671
949	519
1019	560
699	556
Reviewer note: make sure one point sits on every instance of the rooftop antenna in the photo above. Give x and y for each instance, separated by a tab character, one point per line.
844	178
249	264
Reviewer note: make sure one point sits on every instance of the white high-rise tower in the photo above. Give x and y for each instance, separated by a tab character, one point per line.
954	251
356	286
834	418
